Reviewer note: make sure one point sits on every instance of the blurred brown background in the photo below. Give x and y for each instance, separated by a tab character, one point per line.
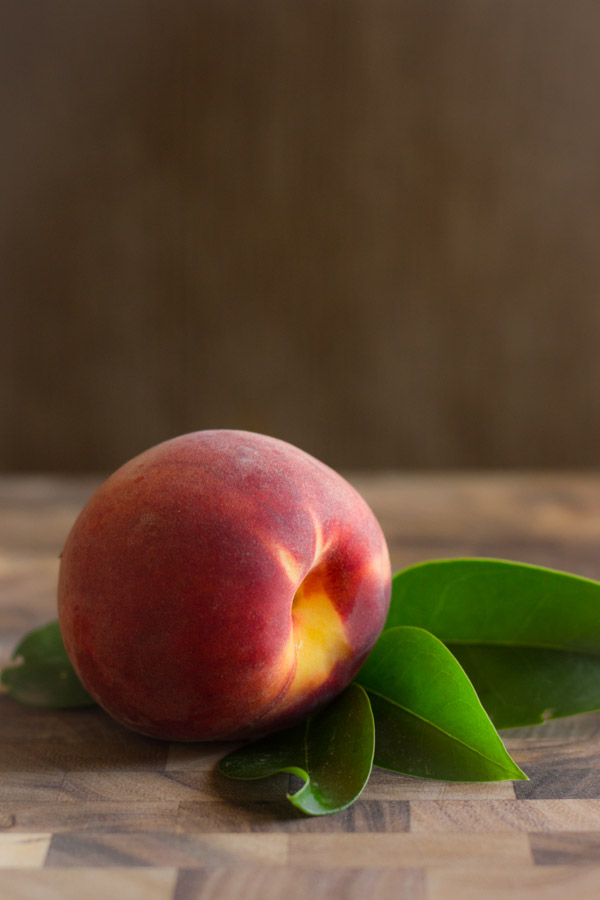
369	227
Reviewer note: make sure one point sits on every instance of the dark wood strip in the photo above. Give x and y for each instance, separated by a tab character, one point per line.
30	786
163	849
87	725
45	756
550	780
561	758
566	848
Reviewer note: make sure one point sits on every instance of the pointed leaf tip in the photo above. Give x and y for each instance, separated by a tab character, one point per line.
429	720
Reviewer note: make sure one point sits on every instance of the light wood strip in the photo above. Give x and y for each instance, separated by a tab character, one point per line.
152	786
390	786
83	816
23	851
88	884
160	849
28	582
513	883
559	504
197	757
254	883
497	816
408	850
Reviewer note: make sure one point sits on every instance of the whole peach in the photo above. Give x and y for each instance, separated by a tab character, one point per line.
221	585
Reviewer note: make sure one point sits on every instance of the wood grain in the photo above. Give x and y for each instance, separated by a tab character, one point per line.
566	848
517	883
499	816
88	808
23	851
398	851
72	884
397	788
364	816
32	814
295	883
166	849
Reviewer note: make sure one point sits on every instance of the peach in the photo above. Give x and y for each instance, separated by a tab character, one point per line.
221	585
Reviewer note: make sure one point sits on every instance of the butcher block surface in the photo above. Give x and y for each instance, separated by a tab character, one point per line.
89	809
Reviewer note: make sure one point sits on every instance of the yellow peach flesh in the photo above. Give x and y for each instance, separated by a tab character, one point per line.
319	638
316	644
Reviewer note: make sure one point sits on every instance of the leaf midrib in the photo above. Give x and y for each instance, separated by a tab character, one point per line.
437	728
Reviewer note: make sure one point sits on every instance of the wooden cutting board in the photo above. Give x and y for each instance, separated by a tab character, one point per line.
90	809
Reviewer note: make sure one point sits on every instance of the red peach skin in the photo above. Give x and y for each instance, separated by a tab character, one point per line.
221	585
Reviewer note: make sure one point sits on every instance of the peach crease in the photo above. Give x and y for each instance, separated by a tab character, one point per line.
319	639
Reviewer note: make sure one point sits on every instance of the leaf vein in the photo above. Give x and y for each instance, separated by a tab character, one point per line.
451	737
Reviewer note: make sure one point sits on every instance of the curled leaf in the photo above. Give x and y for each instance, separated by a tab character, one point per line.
332	752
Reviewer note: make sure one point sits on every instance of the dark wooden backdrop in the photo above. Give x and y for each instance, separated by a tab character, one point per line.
370	227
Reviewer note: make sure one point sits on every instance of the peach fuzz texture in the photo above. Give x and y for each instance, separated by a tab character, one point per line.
221	585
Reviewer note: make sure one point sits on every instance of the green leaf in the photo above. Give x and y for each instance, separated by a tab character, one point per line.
428	718
528	637
45	676
527	686
332	752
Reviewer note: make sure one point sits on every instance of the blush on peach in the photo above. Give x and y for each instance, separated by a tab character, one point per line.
221	585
